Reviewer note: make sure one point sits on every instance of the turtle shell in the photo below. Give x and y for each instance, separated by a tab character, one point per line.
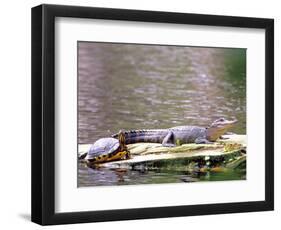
103	146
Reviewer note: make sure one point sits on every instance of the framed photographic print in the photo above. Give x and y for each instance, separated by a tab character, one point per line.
143	114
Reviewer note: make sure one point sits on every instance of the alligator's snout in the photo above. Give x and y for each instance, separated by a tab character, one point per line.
223	123
219	127
230	122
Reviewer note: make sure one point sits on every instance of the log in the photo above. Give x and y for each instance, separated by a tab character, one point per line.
229	153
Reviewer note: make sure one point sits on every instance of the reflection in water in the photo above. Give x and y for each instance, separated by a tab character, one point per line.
123	86
103	176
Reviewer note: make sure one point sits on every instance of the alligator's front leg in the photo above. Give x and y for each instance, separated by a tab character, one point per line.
201	140
169	140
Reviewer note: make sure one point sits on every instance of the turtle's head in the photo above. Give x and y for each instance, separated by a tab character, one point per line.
219	127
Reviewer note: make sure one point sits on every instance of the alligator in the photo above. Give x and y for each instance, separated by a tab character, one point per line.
180	134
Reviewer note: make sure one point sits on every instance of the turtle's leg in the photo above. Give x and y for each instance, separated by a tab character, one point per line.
82	156
169	140
201	140
128	155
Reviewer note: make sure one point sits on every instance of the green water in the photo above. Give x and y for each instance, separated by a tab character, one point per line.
123	86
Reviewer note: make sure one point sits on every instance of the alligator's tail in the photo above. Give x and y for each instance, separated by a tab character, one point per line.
146	135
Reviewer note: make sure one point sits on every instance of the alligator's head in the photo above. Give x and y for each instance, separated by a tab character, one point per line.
219	127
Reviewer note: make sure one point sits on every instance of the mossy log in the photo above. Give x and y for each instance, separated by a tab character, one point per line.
229	153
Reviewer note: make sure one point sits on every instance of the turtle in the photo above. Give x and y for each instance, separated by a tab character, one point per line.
108	149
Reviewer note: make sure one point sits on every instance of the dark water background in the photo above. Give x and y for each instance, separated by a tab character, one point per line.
128	86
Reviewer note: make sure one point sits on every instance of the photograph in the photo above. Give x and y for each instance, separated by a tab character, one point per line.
154	114
158	114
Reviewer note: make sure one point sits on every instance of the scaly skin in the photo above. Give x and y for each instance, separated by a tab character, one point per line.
180	134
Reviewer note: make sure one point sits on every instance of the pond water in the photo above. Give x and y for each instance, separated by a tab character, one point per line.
129	86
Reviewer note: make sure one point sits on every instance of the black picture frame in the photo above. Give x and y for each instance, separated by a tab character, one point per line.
43	114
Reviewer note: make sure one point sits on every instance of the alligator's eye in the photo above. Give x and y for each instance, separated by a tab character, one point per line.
221	119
